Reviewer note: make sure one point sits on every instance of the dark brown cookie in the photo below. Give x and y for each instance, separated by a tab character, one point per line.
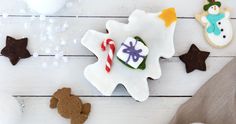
70	106
194	59
15	49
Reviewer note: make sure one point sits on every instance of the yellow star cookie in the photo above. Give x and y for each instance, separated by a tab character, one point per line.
169	16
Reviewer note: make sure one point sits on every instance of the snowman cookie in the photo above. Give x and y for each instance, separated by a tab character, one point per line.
129	53
216	21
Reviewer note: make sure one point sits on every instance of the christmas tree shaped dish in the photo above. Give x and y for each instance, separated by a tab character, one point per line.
130	53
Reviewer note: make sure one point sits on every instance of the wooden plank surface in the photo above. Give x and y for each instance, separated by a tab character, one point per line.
31	78
115	7
105	110
188	31
32	83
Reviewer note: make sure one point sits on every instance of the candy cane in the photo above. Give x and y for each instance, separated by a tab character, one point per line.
111	44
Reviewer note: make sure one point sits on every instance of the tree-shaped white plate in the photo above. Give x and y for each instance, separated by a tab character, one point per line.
156	29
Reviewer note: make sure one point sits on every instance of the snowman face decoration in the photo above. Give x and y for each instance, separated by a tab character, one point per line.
214	10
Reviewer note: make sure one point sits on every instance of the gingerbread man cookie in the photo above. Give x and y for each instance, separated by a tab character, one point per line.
70	106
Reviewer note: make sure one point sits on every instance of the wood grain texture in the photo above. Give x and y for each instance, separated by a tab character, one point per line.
188	31
185	8
29	78
105	110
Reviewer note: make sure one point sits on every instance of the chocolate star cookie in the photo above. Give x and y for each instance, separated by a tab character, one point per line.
194	59
15	49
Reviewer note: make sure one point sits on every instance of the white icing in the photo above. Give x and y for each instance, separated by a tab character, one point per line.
157	37
124	56
219	40
214	10
228	32
46	6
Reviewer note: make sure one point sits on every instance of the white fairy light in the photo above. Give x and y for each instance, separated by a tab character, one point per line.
5	15
49	30
75	41
57	48
51	21
42	17
63	42
22	11
35	54
59	55
65	25
32	18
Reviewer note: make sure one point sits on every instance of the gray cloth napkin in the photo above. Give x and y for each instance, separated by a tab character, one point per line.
214	102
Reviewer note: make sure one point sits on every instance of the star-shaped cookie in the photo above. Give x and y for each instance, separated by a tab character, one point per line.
15	49
194	59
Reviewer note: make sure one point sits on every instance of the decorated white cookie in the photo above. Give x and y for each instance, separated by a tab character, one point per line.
216	21
129	53
46	6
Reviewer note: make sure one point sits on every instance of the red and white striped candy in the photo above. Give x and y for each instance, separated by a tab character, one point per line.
110	56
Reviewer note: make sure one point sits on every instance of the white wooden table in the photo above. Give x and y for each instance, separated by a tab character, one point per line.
33	84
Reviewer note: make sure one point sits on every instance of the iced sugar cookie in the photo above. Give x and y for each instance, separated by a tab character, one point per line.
216	21
129	53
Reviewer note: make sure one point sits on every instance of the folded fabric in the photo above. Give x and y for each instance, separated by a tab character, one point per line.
214	102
